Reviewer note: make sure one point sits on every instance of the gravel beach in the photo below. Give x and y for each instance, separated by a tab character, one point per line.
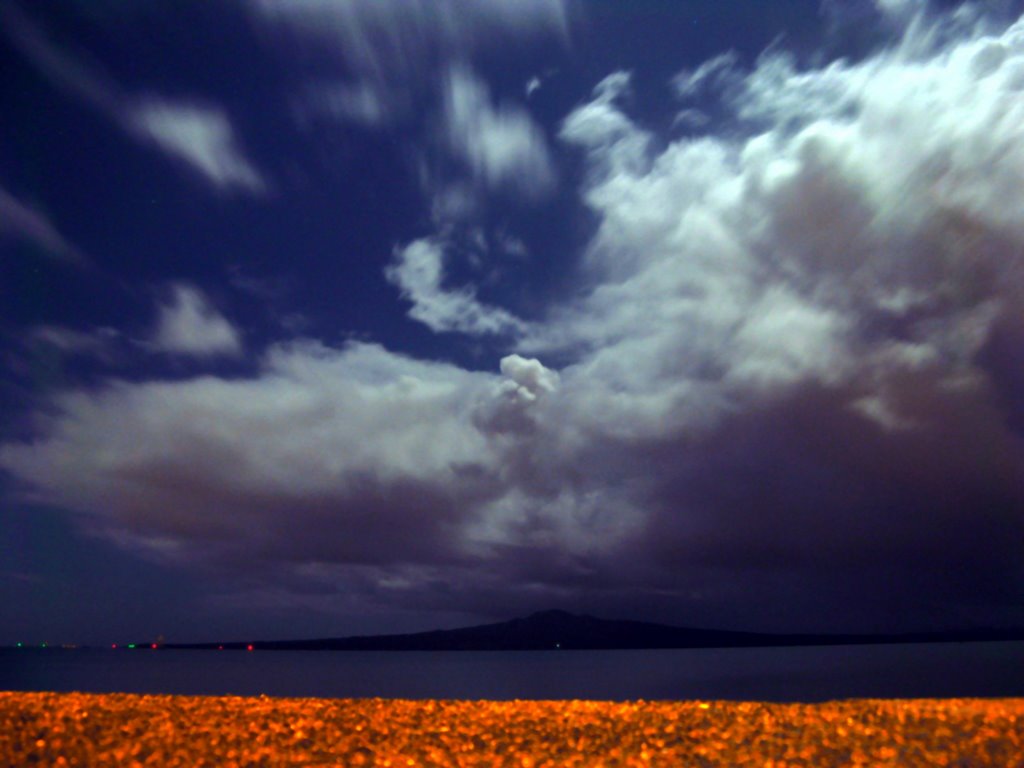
70	729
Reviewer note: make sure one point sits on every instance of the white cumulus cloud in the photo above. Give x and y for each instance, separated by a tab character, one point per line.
869	196
529	377
615	143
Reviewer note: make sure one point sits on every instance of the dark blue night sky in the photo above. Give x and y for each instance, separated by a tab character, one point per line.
338	316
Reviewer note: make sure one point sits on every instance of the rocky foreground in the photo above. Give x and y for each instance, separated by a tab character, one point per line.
51	729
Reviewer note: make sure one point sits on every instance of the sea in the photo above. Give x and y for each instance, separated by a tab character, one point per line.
798	674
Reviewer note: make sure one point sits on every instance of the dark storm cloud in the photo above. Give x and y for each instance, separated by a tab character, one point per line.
806	487
788	395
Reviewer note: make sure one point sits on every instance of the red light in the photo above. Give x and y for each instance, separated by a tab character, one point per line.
220	647
248	647
114	646
153	646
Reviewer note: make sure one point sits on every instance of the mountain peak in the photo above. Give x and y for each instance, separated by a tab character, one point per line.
551	613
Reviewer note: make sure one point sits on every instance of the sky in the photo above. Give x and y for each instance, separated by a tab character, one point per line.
332	317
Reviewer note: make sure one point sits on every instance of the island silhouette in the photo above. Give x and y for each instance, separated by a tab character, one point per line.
558	630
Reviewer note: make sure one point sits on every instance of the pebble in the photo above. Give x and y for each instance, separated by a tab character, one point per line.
74	729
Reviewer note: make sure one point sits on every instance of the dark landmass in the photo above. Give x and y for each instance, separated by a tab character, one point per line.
559	630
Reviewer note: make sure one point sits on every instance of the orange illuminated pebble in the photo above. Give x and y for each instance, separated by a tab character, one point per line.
184	731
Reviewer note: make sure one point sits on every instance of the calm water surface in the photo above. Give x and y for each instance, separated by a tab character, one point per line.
774	674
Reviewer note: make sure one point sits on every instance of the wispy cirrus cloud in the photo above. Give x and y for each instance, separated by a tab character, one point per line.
201	136
96	343
17	219
389	52
386	37
501	144
710	74
196	133
357	103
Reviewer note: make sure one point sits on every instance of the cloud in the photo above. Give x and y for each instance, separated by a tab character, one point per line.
782	393
528	379
418	270
97	343
386	37
854	241
357	103
189	325
370	453
200	135
501	145
900	9
391	51
30	225
690	118
614	142
712	73
774	253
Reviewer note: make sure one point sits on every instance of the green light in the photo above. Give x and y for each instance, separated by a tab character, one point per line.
42	645
19	645
131	645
